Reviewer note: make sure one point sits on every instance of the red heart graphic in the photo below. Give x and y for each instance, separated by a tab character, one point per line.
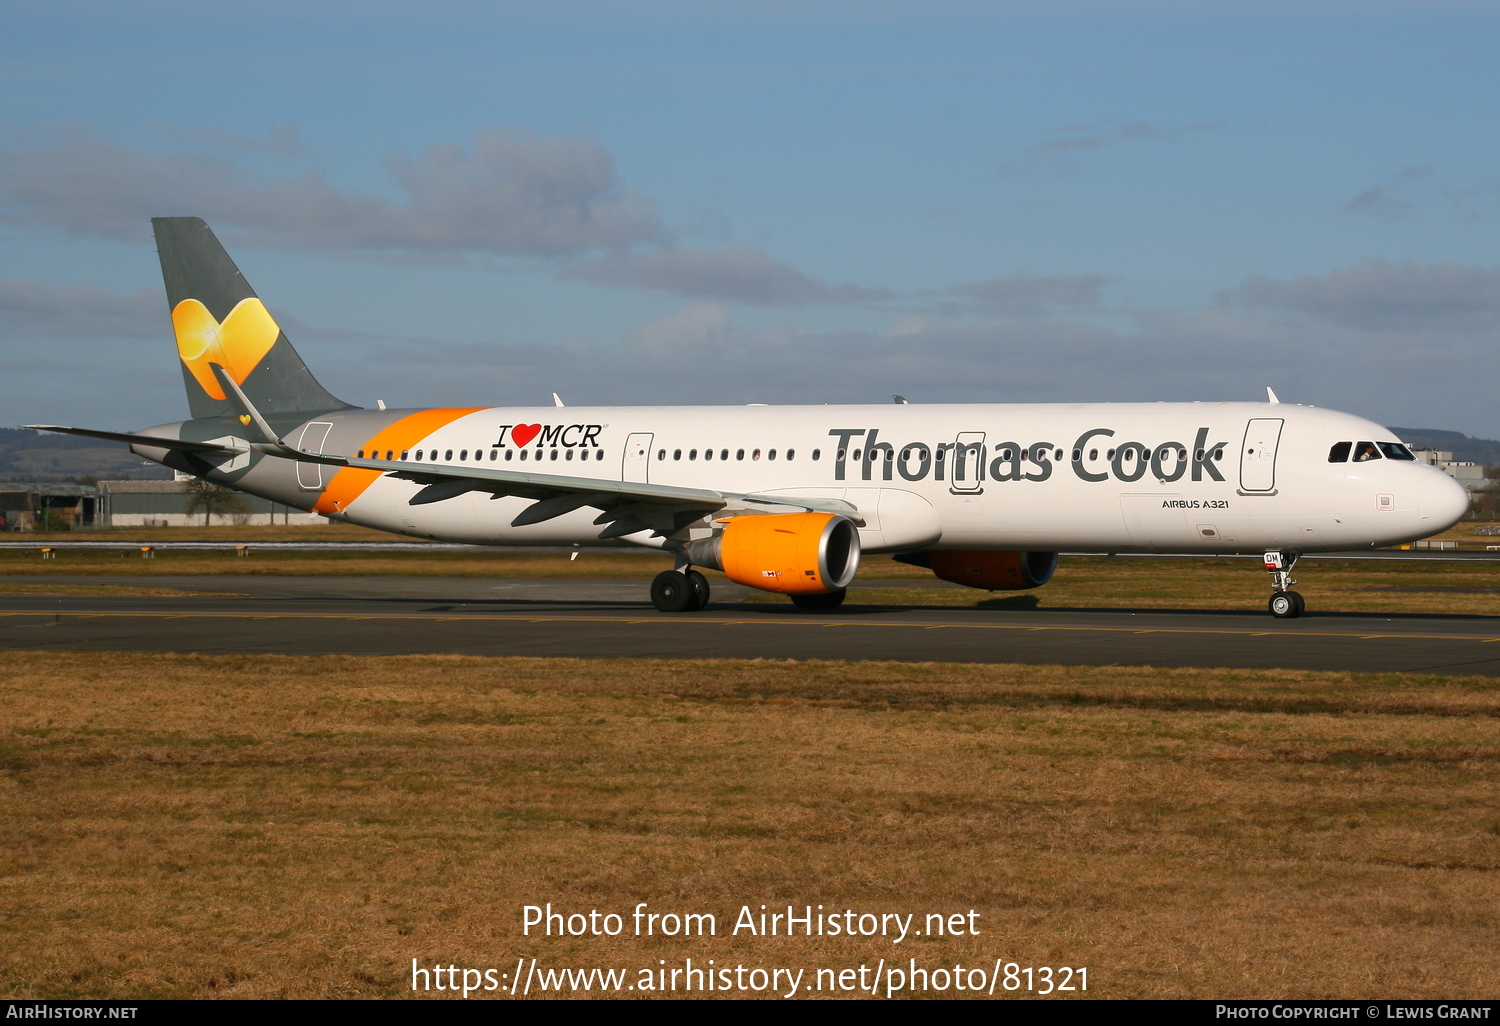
523	433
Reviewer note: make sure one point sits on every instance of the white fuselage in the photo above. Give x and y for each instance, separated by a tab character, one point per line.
1161	477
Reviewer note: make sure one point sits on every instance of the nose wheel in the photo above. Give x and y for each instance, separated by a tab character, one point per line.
1285	604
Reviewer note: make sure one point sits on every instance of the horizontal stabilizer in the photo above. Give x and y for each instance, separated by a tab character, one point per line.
134	439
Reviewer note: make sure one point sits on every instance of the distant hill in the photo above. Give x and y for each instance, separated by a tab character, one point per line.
34	456
1474	450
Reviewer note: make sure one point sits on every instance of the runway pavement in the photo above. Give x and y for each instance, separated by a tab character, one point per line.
612	617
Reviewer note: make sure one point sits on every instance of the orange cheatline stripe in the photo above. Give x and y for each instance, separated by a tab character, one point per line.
350	482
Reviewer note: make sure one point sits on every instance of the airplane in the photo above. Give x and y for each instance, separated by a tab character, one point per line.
781	498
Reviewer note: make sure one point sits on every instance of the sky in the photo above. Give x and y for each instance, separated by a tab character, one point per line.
455	203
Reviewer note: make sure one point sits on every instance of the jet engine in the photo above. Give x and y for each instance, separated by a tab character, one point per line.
790	553
996	571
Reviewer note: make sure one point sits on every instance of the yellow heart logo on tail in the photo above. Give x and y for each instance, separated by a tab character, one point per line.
245	419
237	345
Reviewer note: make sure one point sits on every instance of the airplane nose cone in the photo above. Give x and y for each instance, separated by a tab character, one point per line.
1441	502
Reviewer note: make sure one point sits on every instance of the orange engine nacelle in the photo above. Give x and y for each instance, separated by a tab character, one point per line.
996	571
791	553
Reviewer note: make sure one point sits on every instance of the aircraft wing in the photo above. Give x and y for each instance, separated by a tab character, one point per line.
134	439
627	506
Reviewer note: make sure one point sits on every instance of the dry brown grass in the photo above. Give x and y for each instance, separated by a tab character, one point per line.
497	563
1465	534
332	532
259	826
64	588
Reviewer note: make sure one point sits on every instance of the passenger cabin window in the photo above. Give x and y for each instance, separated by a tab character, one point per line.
1395	451
739	454
1365	451
791	454
661	454
677	454
817	454
723	454
1340	452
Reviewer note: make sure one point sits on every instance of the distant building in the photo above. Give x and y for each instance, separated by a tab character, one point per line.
48	506
1470	475
70	507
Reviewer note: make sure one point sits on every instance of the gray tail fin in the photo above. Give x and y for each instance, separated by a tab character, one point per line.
218	319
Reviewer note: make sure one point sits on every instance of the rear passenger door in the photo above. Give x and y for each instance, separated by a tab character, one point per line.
310	475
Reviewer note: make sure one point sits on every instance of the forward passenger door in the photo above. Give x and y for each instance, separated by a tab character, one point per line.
1258	455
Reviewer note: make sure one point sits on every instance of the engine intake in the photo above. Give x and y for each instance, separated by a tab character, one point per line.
790	553
995	571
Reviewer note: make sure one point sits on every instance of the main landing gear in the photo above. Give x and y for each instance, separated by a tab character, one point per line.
686	591
679	591
1285	604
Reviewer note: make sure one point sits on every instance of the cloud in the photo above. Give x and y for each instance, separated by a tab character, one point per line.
282	139
36	310
1413	188
1028	295
1056	156
742	274
511	194
698	354
1392	200
1380	296
1268	334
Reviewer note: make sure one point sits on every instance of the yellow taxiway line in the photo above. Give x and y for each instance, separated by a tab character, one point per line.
739	622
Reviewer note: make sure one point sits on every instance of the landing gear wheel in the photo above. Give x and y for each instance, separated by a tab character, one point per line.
671	592
698	584
828	600
1287	605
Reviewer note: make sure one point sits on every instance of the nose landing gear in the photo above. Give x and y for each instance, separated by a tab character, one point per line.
1285	604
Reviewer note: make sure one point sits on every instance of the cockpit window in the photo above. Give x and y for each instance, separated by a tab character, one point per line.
1365	451
1396	451
1340	452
